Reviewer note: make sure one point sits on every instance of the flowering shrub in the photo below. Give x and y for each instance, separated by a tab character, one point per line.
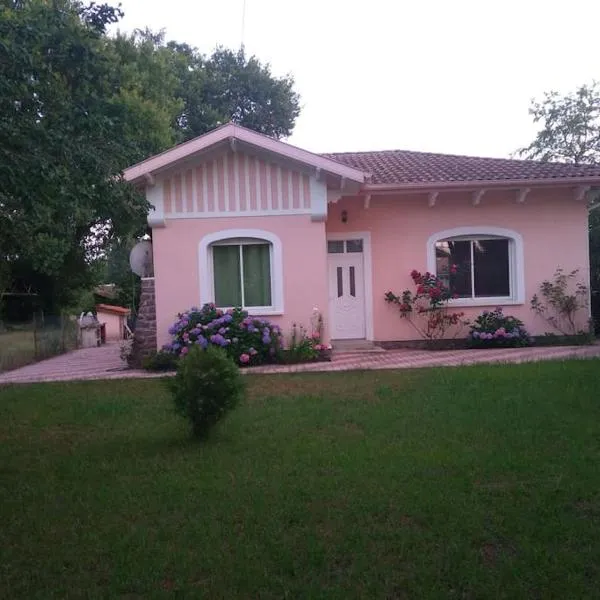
316	323
427	308
493	329
559	304
247	340
300	346
303	347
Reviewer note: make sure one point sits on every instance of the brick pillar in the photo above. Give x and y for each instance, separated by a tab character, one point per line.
144	336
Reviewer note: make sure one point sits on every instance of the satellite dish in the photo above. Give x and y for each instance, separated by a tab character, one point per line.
140	259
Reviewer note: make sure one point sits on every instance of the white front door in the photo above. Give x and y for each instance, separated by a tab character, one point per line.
346	289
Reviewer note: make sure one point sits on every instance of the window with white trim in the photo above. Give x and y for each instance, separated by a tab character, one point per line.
476	267
242	268
242	273
479	266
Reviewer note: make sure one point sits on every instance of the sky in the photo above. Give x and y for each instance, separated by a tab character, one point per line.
451	76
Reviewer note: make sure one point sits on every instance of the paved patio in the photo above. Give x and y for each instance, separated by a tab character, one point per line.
104	362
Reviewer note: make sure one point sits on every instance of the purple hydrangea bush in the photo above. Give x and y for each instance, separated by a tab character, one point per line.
493	329
247	340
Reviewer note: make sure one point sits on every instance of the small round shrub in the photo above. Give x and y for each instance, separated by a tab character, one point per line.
493	329
247	340
160	361
207	385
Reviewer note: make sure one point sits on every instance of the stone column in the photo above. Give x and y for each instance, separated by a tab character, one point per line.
144	336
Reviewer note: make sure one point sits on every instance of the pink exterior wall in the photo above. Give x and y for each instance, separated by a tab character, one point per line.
176	269
553	226
114	325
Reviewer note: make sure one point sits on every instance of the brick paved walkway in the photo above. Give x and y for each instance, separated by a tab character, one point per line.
104	362
88	363
413	359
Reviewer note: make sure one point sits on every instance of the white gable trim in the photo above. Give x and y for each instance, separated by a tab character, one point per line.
138	172
156	214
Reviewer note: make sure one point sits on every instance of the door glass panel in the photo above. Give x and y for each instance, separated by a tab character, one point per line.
354	245
352	283
340	284
335	246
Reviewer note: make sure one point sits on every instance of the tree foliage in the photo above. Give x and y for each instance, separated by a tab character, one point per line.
77	107
570	129
60	145
245	91
570	132
202	92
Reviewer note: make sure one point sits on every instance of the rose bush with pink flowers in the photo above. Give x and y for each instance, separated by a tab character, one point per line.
427	309
247	340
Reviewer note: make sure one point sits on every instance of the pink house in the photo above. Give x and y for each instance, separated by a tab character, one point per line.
241	219
114	319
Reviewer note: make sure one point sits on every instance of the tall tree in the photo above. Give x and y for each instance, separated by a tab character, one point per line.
210	90
570	132
570	126
149	84
232	87
62	118
78	106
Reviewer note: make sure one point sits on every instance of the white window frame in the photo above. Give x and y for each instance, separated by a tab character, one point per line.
237	237
516	270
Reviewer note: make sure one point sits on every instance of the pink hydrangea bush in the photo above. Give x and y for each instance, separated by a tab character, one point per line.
494	329
247	340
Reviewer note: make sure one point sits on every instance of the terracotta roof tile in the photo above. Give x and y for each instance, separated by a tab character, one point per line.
402	166
109	308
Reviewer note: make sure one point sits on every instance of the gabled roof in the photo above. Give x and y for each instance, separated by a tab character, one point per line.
115	310
387	169
236	133
400	167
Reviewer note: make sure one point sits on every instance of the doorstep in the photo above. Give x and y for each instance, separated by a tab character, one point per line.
355	346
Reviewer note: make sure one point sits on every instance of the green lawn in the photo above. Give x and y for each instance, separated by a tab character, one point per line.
479	482
24	345
17	348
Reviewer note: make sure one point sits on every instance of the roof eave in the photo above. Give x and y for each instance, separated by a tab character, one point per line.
143	171
373	188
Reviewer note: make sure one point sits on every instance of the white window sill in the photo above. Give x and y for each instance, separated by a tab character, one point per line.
263	312
482	302
260	311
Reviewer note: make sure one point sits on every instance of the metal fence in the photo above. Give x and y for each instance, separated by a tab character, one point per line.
43	337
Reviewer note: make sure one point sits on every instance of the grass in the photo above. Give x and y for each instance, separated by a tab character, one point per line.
23	346
478	482
17	348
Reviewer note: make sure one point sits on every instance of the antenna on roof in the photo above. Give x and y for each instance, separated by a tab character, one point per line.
243	25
